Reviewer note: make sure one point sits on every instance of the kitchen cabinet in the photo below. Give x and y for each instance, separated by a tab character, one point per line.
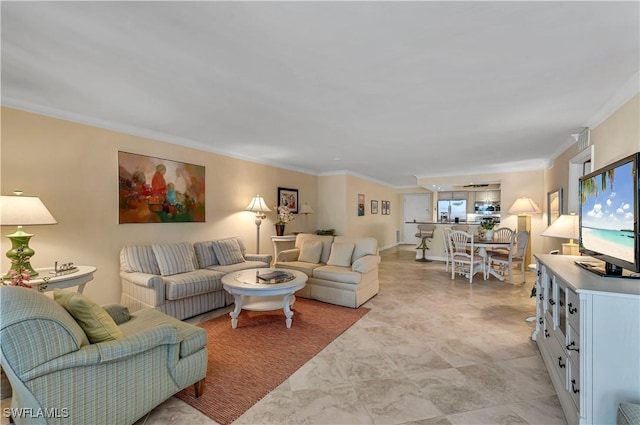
588	333
447	195
487	196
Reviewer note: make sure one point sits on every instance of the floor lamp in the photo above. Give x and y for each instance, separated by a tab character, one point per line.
565	227
258	206
306	210
22	211
524	207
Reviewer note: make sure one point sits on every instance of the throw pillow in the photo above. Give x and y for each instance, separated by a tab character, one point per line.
310	252
341	253
93	319
174	258
228	252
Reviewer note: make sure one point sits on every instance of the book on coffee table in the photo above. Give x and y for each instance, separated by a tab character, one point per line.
273	275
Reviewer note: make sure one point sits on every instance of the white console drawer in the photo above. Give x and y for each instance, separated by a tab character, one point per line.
558	357
573	344
573	305
574	382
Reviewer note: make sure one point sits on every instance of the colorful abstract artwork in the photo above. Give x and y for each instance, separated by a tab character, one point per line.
156	190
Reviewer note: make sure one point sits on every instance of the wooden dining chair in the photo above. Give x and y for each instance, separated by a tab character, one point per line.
501	234
515	257
464	258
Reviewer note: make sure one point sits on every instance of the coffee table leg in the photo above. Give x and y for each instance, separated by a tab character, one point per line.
236	311
287	309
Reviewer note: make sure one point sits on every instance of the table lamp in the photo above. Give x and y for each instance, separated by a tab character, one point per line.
523	208
306	210
259	207
566	227
21	211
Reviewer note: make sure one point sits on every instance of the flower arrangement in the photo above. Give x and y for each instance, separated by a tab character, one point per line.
284	215
487	225
20	275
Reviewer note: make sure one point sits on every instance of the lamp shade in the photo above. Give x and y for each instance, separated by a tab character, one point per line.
524	205
566	226
257	205
24	211
306	209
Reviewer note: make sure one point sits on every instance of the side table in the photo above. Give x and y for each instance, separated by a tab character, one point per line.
79	277
280	243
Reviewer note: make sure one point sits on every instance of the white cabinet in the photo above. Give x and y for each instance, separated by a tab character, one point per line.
588	332
487	196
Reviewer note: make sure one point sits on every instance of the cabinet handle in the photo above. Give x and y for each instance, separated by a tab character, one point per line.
546	334
572	309
561	303
551	301
573	344
560	362
573	387
541	320
541	297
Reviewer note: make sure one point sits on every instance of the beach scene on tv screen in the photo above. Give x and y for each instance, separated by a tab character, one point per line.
608	213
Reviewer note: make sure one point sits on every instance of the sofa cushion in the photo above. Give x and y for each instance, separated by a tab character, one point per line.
306	268
363	246
139	259
238	266
197	282
311	251
93	319
301	238
337	274
205	254
174	258
341	253
228	251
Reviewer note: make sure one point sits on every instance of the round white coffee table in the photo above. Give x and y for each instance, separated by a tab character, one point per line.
252	293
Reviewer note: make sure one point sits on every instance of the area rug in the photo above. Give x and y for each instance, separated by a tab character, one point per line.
246	363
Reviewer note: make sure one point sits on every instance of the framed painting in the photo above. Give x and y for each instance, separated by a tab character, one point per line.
157	190
374	207
386	206
360	207
288	197
554	206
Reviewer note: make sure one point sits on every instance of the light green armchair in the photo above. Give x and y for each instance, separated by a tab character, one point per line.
59	377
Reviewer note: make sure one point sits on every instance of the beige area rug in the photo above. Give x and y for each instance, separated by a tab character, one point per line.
246	363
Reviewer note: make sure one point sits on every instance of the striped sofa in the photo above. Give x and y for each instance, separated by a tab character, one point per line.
58	376
183	279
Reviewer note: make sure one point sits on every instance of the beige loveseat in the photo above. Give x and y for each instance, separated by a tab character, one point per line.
183	279
341	270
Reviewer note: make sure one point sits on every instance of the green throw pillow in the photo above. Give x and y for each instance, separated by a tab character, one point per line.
93	319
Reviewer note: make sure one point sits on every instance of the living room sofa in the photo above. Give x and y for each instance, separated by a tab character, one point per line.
341	270
183	279
70	361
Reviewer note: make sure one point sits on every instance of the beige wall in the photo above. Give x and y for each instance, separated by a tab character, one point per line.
73	169
614	138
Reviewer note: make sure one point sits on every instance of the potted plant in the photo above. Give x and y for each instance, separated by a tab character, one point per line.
284	216
487	230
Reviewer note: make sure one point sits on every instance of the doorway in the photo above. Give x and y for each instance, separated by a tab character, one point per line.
417	208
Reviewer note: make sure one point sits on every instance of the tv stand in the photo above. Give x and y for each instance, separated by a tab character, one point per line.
606	269
588	334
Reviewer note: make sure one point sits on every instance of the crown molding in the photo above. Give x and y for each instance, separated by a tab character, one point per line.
622	96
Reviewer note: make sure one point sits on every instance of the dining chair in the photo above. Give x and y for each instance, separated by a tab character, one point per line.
447	250
464	258
501	234
425	232
516	256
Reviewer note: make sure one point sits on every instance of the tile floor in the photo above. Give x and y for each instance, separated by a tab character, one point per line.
432	351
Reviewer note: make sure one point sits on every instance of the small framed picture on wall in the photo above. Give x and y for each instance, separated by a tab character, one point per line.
288	197
360	204
374	207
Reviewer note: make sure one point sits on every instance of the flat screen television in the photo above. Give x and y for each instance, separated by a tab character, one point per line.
609	229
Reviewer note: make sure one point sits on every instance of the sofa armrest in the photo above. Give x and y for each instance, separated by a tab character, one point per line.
265	258
288	255
118	312
366	263
94	354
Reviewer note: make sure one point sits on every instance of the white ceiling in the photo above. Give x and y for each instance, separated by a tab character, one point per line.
384	90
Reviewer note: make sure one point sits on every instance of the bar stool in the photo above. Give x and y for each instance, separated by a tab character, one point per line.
425	231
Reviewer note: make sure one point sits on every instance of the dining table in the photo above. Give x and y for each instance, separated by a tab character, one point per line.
482	246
